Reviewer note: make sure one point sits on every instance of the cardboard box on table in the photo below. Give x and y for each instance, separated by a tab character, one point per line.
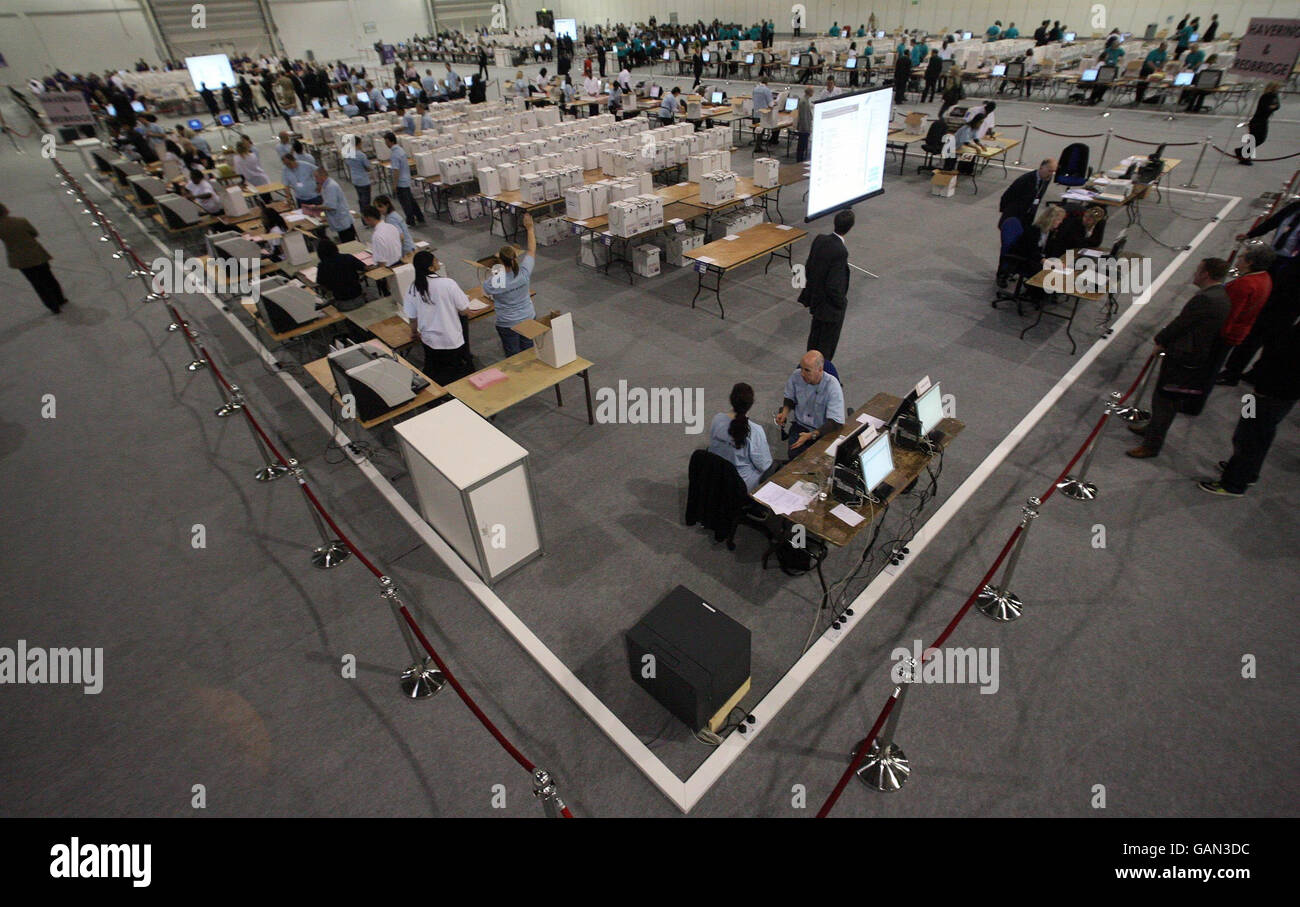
552	335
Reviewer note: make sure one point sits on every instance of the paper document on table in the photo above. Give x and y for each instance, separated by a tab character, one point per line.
477	305
1092	253
308	274
785	501
847	515
872	421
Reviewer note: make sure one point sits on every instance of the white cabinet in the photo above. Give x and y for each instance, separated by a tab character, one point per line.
473	487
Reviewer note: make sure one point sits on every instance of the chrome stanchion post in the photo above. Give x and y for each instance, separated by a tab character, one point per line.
422	679
1191	180
886	767
272	470
1105	145
1134	411
234	403
1024	142
331	552
544	790
1078	488
997	601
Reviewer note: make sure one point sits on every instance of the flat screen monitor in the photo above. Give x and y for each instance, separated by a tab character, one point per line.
794	59
1208	78
390	94
537	47
1016	70
749	58
315	104
848	159
1183	78
1107	73
226	120
548	45
876	462
1000	69
137	107
965	36
715	98
212	70
929	409
851	63
363	97
880	34
1067	37
1196	36
705	56
566	28
196	125
791	105
112	111
342	99
1089	75
846	453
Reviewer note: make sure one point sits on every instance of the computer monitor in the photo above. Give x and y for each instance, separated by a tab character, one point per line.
794	59
315	105
705	56
389	94
749	58
1089	75
548	45
1067	37
1015	70
929	409
342	99
847	448
1184	78
1196	36
195	125
1208	78
965	36
1107	73
363	97
880	34
851	63
137	107
537	47
791	105
876	462
655	91
226	120
112	111
715	98
1000	69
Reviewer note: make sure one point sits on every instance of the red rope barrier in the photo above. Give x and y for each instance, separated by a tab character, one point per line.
1262	160
1066	135
863	748
1166	144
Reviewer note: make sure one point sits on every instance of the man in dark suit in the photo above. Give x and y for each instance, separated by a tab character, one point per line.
902	75
826	292
1022	197
1190	345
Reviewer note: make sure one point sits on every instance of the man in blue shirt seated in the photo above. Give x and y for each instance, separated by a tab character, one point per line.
335	205
814	399
300	176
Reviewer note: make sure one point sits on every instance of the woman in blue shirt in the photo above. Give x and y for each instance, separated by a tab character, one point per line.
508	288
737	438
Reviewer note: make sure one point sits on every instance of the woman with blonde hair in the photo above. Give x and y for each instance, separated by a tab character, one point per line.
508	288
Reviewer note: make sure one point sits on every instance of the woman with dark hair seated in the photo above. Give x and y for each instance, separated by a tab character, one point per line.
339	274
737	438
1084	229
273	229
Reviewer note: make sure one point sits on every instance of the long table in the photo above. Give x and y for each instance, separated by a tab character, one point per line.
814	465
723	255
319	369
526	375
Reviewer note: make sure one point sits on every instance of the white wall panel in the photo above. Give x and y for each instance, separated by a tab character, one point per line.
38	36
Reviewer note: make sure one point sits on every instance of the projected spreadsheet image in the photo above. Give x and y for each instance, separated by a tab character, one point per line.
848	150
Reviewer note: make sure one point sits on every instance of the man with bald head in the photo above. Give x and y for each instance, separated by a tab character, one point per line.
813	403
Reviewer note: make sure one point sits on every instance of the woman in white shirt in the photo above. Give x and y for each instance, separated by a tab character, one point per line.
740	440
247	165
435	305
201	191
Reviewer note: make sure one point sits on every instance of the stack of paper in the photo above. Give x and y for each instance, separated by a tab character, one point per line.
786	500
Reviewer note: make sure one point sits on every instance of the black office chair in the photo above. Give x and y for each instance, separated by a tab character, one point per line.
717	498
1073	169
932	145
1010	265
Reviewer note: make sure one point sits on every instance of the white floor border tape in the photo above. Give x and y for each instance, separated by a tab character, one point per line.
686	794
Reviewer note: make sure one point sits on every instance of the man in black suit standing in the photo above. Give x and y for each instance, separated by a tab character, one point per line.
1022	197
826	292
902	75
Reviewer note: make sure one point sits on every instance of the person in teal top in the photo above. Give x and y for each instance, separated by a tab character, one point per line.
994	30
755	33
834	30
868	50
862	31
1157	58
1012	31
1195	58
919	52
1184	38
902	47
1112	53
1154	61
